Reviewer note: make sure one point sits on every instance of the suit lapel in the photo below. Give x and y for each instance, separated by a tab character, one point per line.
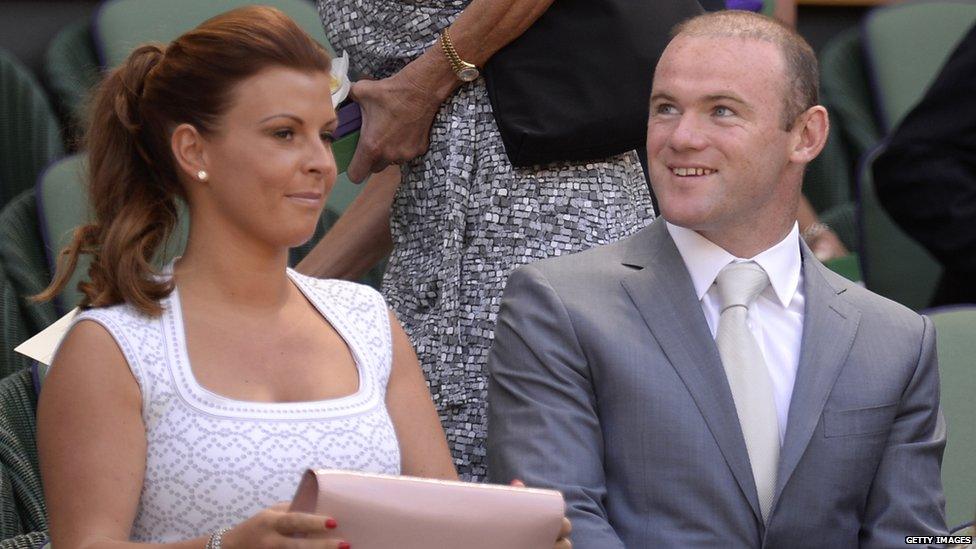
829	326
661	289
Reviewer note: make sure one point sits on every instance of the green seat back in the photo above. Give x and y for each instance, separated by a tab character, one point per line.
956	336
827	181
906	46
893	264
845	91
24	261
23	514
30	136
62	205
72	71
13	328
847	266
120	25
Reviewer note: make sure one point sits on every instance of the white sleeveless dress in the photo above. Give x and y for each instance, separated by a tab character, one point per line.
212	461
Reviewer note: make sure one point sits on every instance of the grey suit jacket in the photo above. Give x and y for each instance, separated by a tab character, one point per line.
606	384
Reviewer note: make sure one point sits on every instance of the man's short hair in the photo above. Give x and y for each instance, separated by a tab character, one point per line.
802	74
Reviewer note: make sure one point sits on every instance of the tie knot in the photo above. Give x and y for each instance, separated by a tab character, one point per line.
740	284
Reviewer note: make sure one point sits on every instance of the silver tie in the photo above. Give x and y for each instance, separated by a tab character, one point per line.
738	286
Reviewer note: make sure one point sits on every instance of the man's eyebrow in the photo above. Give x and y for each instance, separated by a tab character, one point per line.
725	97
661	96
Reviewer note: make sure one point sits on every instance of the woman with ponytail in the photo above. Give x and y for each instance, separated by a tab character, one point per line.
186	402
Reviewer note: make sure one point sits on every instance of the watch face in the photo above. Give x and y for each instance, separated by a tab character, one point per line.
468	74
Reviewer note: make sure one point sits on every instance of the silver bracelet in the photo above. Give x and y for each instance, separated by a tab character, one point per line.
216	538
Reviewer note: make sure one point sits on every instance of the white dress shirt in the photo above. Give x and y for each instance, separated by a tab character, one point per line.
775	318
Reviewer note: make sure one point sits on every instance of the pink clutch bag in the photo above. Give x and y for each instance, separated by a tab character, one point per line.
383	512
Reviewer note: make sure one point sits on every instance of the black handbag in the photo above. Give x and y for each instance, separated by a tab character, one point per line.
575	86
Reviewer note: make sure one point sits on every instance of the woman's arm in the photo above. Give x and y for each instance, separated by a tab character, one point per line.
398	111
361	237
423	447
92	447
91	441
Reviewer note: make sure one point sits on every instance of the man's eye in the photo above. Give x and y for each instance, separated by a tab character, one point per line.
723	111
665	108
285	133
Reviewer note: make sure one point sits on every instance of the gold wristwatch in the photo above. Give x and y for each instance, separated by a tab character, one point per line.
466	72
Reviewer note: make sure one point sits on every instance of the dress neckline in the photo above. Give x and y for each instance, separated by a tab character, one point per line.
205	400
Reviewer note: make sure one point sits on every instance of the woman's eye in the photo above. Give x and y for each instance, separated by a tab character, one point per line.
327	137
285	134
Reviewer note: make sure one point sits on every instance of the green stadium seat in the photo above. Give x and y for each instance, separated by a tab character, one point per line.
845	91
893	264
23	514
955	328
30	136
25	273
71	70
905	46
118	26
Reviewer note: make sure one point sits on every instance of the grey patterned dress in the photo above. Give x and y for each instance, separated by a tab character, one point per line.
464	218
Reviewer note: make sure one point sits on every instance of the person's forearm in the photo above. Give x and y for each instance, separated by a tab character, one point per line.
483	28
785	11
361	237
805	214
198	543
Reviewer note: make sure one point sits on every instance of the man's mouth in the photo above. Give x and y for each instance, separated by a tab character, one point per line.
691	172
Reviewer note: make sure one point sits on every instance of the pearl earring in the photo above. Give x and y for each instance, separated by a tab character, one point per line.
202	175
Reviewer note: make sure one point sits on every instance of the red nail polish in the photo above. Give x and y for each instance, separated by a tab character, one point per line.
344	545
331	523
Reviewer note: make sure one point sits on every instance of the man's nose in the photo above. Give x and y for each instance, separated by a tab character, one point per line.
687	133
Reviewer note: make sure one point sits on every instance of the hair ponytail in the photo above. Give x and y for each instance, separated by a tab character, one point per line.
133	200
133	180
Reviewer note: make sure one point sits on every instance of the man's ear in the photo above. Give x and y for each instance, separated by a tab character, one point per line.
810	134
189	150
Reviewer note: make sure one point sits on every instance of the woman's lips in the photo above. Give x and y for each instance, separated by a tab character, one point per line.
311	198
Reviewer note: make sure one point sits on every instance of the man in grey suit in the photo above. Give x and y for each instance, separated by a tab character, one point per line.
707	382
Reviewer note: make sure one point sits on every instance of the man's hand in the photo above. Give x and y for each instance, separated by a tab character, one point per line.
397	115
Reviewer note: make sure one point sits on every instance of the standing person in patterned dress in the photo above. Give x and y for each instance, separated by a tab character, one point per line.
462	216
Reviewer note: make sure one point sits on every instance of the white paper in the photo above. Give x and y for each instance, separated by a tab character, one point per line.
41	347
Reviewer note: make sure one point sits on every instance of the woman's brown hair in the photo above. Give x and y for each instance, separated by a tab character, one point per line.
133	178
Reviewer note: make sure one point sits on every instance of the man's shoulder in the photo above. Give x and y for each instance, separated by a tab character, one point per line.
590	267
874	308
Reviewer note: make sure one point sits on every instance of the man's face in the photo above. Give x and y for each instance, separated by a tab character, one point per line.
716	144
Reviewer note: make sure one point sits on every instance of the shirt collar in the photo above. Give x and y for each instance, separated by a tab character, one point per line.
704	259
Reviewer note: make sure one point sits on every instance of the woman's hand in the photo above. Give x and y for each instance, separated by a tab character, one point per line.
562	539
562	542
397	115
277	527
